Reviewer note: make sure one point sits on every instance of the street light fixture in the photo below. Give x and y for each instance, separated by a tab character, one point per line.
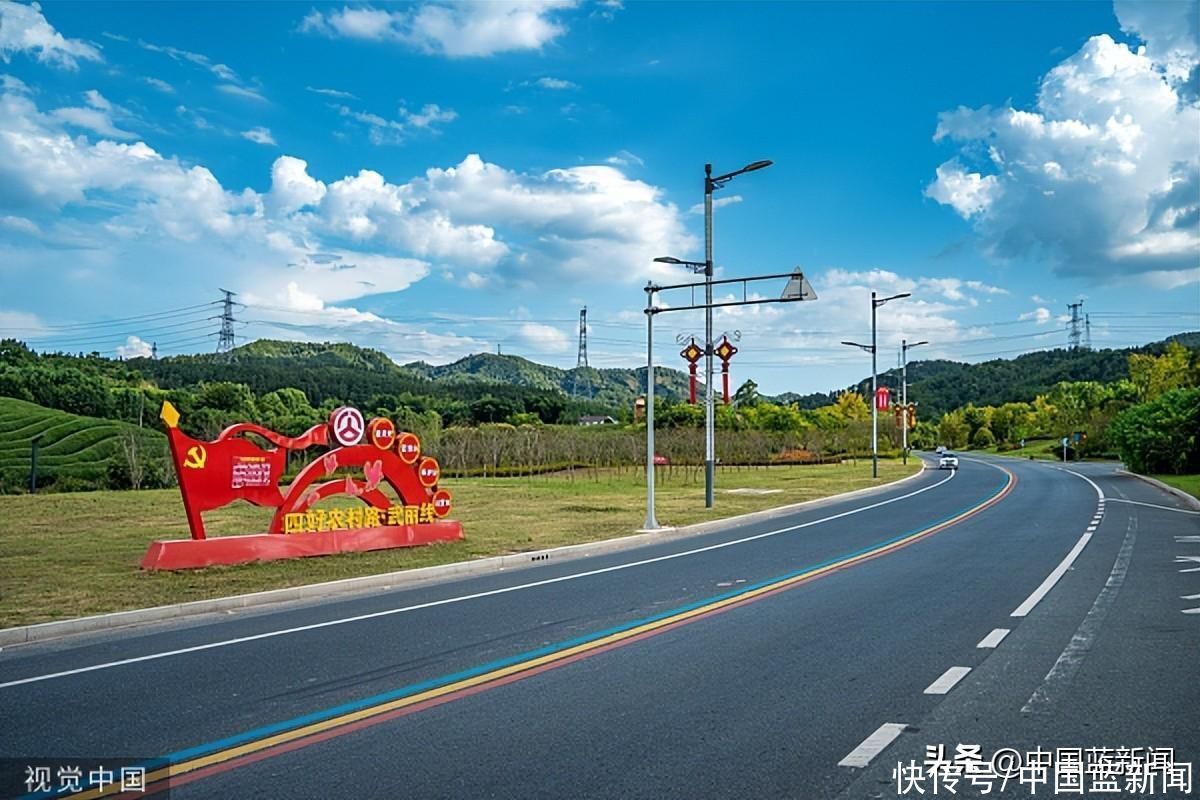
873	349
694	266
711	184
904	348
797	288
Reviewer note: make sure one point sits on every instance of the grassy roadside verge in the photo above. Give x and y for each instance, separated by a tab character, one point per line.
1186	483
70	555
1035	449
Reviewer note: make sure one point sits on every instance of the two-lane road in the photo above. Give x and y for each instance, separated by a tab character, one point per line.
1009	604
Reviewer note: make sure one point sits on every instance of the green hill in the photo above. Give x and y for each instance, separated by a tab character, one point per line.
73	452
347	373
614	387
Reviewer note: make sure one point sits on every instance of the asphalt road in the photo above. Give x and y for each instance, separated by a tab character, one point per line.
803	657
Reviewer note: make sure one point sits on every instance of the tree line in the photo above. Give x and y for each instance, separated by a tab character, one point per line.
1149	419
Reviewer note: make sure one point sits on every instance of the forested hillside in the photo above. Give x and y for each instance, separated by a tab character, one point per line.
941	386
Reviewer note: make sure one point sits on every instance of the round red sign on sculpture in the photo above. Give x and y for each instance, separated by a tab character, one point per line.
347	426
883	398
429	471
409	447
441	502
381	432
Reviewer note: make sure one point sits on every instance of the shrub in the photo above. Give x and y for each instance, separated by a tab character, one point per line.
983	438
1162	435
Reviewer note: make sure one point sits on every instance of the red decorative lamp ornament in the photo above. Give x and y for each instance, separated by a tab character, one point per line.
725	351
692	354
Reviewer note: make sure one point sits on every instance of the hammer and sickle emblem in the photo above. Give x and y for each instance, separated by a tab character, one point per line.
196	456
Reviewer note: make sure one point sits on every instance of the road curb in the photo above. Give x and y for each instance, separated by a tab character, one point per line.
45	631
1187	498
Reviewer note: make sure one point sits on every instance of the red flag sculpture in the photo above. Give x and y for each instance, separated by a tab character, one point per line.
232	467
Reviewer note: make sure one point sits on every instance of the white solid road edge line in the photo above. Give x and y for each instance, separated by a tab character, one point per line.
994	638
1064	565
473	596
422	576
873	745
948	680
1154	505
1051	579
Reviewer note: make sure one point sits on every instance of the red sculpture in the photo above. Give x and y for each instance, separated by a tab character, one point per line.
231	467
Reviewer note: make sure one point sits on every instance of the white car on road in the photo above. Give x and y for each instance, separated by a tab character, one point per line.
948	461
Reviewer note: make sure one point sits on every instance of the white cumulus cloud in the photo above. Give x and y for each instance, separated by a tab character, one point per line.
311	244
259	135
544	338
1039	315
23	29
135	347
968	193
96	117
1102	177
451	29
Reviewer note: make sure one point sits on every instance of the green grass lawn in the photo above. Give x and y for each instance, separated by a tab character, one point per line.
69	555
1187	483
1035	448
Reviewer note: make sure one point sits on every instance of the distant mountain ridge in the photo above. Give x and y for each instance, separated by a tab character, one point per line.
354	373
609	386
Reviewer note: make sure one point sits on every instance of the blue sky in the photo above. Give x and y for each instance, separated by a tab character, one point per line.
436	179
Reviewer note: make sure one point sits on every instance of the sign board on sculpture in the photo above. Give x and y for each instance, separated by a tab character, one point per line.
234	467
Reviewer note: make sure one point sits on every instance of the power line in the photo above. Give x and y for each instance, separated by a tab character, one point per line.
75	326
121	337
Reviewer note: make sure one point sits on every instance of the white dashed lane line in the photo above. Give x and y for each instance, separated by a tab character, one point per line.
873	745
994	638
948	680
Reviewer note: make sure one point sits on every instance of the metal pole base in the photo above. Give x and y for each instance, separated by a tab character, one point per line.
709	474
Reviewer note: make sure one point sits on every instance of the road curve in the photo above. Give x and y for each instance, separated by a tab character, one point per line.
802	656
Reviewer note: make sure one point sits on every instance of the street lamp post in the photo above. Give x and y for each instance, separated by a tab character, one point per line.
873	349
796	289
904	348
710	185
651	523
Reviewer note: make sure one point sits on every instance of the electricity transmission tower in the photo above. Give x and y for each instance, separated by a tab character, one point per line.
581	362
225	343
1087	331
1076	325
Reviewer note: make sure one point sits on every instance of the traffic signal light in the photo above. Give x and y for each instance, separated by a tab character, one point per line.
912	415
